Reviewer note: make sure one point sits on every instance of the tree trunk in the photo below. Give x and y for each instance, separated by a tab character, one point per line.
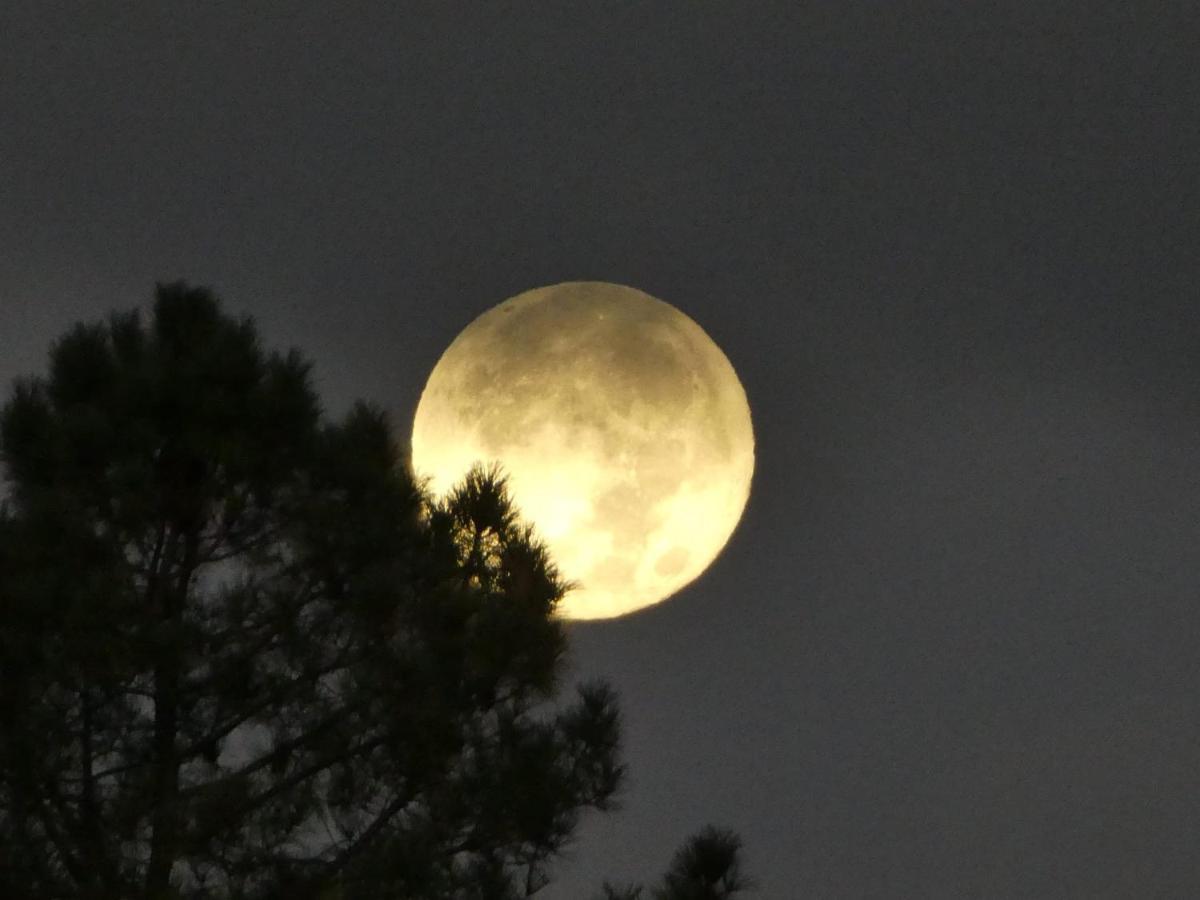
164	842
103	875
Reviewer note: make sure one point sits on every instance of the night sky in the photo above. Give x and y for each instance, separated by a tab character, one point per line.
951	250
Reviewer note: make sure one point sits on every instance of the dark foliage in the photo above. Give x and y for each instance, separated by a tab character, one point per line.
243	655
707	867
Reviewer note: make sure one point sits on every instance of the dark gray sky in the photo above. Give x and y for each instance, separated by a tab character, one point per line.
951	249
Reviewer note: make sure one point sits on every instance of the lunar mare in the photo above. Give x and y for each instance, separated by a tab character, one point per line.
622	427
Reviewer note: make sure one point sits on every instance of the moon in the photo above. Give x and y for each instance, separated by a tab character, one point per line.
623	429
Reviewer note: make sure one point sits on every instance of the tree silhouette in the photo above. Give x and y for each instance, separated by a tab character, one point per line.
707	867
243	654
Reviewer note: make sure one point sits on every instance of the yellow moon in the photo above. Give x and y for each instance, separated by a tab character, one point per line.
622	427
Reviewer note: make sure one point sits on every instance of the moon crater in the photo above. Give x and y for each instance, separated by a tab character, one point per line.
623	428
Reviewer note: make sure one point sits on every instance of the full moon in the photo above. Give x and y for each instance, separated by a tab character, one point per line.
622	427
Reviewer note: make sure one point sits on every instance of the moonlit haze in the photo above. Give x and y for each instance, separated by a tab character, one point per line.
622	427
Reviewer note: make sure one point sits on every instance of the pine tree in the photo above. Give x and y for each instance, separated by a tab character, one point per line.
707	867
242	654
